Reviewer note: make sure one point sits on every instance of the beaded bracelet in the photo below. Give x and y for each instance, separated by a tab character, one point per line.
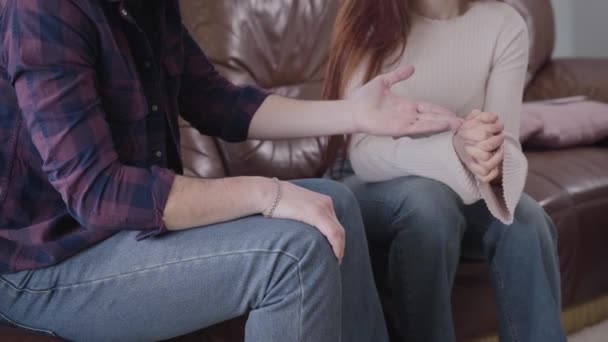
270	211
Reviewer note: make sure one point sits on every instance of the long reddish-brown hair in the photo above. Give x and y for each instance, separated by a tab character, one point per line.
365	31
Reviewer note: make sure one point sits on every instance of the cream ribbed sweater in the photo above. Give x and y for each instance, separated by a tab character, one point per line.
475	61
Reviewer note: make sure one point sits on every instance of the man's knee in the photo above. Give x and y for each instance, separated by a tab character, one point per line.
343	199
308	244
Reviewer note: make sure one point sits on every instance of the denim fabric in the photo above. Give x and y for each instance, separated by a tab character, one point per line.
429	229
284	272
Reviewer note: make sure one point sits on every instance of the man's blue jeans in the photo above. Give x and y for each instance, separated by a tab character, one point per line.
429	229
282	271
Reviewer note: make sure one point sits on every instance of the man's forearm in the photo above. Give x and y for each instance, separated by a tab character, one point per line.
195	202
280	118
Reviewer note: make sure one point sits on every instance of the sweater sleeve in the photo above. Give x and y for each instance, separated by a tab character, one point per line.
376	159
504	94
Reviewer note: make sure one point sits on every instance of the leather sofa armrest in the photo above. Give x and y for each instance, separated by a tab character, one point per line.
18	335
570	77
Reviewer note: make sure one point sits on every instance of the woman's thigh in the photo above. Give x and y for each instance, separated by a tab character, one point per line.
419	205
530	226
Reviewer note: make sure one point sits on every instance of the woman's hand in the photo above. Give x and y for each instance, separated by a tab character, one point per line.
378	111
479	144
317	210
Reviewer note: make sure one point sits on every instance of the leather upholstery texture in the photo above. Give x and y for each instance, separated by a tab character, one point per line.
281	45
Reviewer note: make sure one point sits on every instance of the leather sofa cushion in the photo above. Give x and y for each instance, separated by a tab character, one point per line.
563	179
572	186
18	335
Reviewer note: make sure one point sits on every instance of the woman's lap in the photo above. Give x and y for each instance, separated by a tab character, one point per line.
435	211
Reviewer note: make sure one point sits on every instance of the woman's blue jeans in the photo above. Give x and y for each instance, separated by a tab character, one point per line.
429	229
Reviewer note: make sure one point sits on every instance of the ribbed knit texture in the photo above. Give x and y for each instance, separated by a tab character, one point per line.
475	61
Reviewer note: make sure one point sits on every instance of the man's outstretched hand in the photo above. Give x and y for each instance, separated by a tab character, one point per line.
378	111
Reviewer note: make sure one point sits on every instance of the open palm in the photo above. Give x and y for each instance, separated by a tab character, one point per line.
378	111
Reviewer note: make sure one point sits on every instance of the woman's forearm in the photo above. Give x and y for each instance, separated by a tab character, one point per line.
283	118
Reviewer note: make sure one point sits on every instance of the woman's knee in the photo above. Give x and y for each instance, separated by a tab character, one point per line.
427	218
531	219
426	207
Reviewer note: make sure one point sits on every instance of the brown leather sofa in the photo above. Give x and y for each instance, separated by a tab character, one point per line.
282	45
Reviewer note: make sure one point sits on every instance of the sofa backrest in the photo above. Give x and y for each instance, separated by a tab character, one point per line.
538	14
281	45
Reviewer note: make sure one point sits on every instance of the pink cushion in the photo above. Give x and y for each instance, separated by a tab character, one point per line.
531	125
562	124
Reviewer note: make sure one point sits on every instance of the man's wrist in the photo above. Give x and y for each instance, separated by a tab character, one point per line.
353	111
264	193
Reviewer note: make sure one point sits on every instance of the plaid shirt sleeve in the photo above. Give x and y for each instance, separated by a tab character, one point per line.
50	57
212	104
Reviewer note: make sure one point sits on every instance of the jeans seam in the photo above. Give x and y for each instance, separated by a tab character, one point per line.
301	300
66	287
408	298
510	326
407	331
18	325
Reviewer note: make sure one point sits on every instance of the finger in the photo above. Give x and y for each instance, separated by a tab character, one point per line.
487	117
400	74
491	144
341	240
494	128
478	169
469	124
473	114
474	136
487	121
425	107
422	127
478	154
335	231
494	161
474	121
452	120
335	234
488	130
490	177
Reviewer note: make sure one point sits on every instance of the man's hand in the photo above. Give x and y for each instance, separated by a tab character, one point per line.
315	209
196	202
479	145
378	111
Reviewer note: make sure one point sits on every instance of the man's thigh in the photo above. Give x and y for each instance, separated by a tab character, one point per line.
158	288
